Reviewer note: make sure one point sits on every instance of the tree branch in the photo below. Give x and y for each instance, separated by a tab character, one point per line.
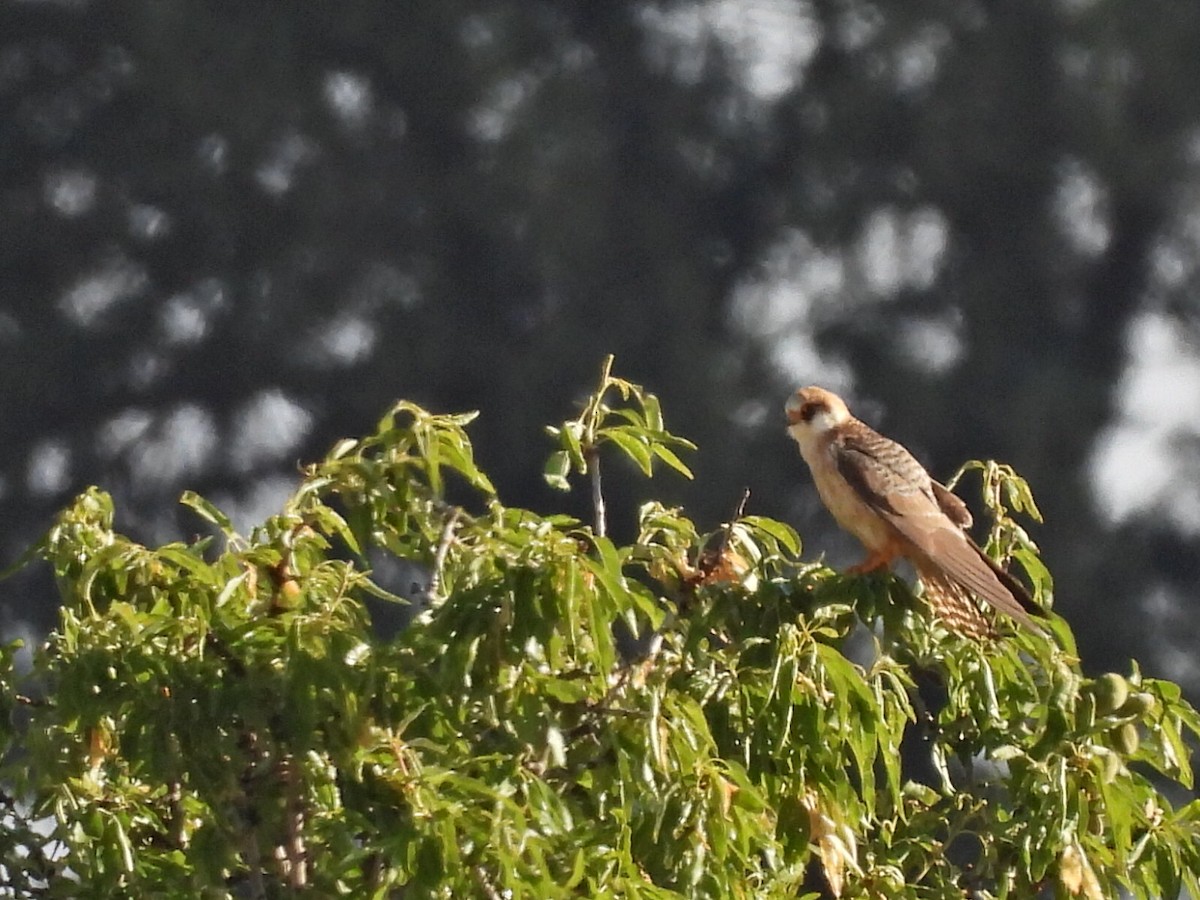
485	885
296	861
601	514
445	539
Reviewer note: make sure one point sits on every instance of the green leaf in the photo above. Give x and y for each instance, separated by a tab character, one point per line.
653	412
608	568
557	467
668	456
563	690
782	532
330	522
1178	764
230	587
572	437
632	442
1020	497
459	455
635	419
208	512
341	448
184	557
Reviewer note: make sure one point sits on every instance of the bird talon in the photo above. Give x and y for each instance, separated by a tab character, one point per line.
872	563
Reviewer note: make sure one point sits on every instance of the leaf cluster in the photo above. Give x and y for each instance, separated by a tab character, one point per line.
688	715
636	428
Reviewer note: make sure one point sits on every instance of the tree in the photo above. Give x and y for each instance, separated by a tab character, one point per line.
679	716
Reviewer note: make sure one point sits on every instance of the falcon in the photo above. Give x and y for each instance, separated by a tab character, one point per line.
877	491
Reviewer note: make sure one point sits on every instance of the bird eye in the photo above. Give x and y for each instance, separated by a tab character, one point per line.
808	410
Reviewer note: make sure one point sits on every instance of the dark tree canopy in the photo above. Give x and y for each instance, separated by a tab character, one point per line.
232	232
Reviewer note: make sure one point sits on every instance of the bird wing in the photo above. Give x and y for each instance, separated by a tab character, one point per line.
951	505
890	481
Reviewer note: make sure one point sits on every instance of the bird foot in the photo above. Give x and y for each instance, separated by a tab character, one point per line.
873	563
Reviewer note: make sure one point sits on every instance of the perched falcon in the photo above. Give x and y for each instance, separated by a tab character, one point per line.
880	494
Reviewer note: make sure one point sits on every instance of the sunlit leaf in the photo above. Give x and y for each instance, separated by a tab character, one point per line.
780	531
208	512
558	466
341	448
634	445
668	456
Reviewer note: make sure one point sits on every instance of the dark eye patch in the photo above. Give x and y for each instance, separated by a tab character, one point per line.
810	409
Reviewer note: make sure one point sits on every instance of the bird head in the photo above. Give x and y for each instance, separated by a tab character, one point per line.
812	411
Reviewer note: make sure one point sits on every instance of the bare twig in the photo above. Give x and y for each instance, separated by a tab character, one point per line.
445	539
741	507
595	712
245	815
178	820
296	862
605	379
653	647
712	554
33	701
727	530
593	466
253	860
372	869
218	646
485	884
591	418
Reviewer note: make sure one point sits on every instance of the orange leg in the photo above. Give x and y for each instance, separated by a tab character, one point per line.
876	559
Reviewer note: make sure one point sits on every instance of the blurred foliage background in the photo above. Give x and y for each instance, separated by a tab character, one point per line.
231	233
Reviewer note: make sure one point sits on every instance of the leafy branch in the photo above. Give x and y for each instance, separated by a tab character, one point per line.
1005	493
636	428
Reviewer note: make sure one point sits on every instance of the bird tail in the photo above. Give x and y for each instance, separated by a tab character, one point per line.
953	604
957	605
1019	591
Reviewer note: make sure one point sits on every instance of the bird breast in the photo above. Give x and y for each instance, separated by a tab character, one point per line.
843	501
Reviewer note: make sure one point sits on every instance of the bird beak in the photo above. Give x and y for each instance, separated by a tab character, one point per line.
792	411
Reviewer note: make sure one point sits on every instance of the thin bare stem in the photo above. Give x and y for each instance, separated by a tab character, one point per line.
601	514
178	819
740	511
591	421
252	857
741	507
485	884
445	539
297	853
